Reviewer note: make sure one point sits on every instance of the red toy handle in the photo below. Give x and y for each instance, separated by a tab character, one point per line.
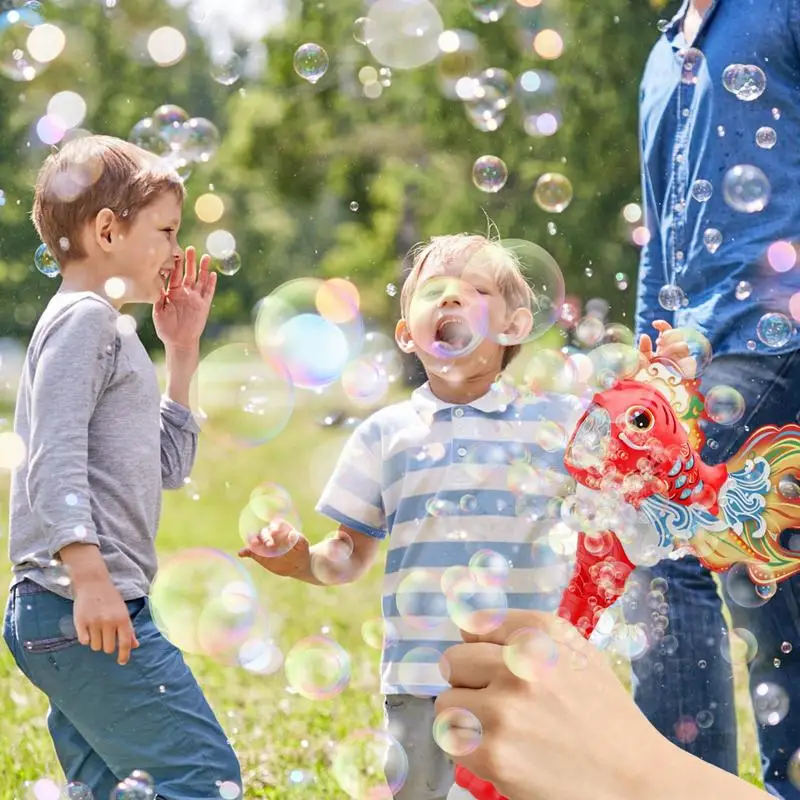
597	581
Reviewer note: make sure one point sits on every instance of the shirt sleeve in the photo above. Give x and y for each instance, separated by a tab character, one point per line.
179	431
73	364
353	496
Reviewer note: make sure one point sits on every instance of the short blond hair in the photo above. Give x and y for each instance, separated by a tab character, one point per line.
87	175
467	248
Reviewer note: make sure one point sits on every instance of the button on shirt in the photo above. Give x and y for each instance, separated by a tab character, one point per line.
446	484
694	129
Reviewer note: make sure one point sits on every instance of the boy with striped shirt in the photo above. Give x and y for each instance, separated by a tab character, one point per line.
459	478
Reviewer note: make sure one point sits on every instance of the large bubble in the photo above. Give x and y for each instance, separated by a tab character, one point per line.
317	668
312	327
204	602
746	189
242	400
370	765
404	34
16	60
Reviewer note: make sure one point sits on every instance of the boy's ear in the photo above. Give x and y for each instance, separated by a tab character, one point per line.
518	329
105	228
402	335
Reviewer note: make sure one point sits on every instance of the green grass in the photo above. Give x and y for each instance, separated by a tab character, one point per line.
273	731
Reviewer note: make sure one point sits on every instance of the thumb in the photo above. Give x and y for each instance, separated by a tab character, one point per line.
245	552
645	345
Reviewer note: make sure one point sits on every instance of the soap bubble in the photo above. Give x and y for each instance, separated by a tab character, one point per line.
242	400
317	668
362	32
553	192
712	239
489	174
774	329
227	265
724	405
200	140
311	62
421	604
370	765
404	33
743	290
226	68
766	138
204	602
702	190
312	327
746	189
16	60
147	135
747	81
693	62
770	704
488	10
45	262
458	732
268	505
671	297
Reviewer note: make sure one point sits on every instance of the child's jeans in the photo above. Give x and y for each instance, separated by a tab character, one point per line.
430	771
107	720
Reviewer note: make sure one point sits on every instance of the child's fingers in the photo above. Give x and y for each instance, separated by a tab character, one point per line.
125	639
82	631
176	276
190	272
645	345
662	325
209	286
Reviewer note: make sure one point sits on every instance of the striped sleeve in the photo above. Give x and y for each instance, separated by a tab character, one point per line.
353	495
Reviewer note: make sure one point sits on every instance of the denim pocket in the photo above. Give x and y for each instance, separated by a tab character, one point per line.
51	645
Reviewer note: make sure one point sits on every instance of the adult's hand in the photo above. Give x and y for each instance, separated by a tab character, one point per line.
556	721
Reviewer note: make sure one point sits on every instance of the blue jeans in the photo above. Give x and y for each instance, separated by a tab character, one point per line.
107	720
697	677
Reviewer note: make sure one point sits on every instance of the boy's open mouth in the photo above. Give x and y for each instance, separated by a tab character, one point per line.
453	334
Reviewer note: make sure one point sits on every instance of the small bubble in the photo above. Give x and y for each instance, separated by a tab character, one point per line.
702	663
720	130
391	289
552	229
662	25
776	114
621	279
743	290
588	272
354	206
786	648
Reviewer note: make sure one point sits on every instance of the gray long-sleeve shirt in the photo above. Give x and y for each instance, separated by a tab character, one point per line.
100	442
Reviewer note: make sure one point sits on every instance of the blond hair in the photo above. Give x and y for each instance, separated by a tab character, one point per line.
87	175
465	248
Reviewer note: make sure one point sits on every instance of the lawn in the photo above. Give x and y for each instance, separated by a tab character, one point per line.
284	740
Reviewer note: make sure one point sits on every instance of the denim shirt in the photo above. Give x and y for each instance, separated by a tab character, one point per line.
698	131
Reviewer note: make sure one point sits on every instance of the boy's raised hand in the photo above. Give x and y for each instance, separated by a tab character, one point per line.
181	312
280	549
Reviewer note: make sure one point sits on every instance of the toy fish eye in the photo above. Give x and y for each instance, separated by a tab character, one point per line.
640	419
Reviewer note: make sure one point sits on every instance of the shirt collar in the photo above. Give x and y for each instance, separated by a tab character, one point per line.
673	26
498	398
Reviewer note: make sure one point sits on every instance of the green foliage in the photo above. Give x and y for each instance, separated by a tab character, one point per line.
294	156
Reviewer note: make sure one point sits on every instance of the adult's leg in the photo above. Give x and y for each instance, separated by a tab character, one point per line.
149	714
771	389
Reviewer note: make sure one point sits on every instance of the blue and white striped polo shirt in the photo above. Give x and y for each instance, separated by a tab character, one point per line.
447	483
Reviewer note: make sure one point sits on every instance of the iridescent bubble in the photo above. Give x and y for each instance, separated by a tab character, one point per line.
226	68
530	653
460	58
766	138
312	327
383	351
370	765
739	646
227	265
746	189
613	362
488	10
546	282
489	174
16	60
724	405
495	87
774	329
201	139
770	704
169	119
476	608
78	791
364	382
420	601
378	632
362	30
317	668
748	83
671	297
712	239
45	262
268	505
147	135
489	568
204	602
405	35
242	400
693	62
458	732
311	62
553	192
702	190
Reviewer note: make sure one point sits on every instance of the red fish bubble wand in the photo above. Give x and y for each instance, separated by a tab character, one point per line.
640	439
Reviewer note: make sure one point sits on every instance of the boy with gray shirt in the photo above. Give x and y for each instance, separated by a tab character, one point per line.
100	445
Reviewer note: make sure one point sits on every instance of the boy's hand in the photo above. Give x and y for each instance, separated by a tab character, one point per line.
102	621
180	314
282	550
670	346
